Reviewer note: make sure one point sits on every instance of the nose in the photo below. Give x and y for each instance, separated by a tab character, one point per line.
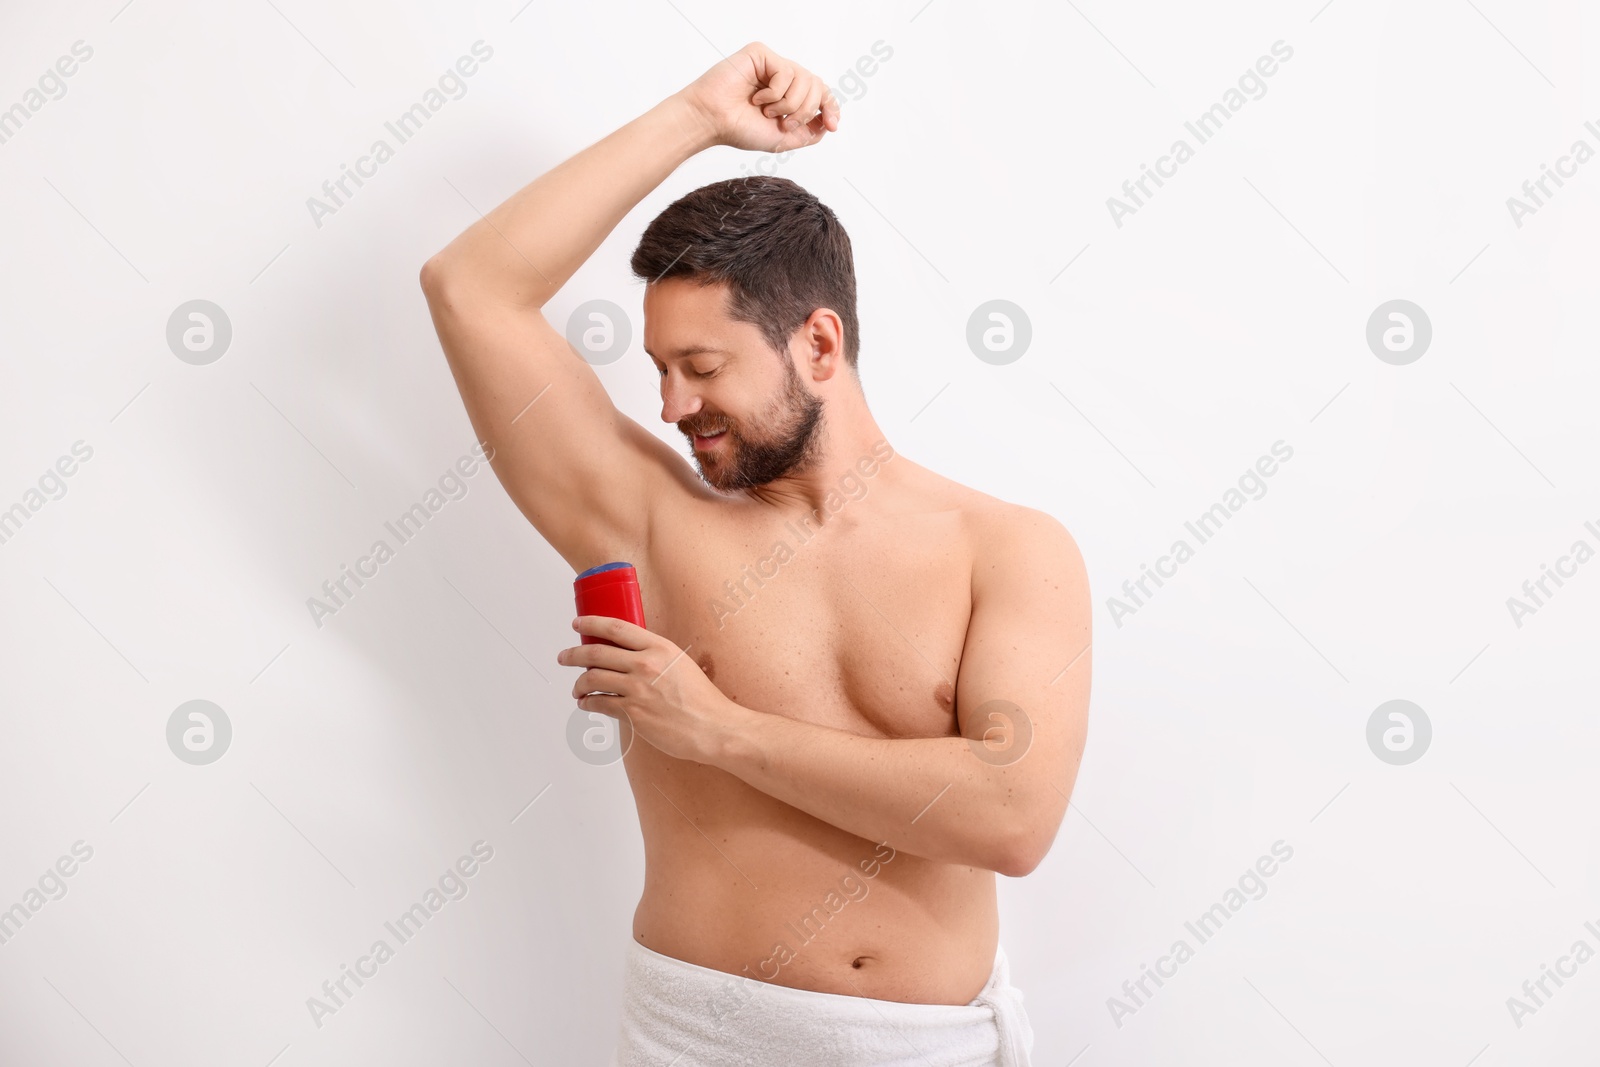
678	401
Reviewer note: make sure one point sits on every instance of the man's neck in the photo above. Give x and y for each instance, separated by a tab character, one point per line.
851	446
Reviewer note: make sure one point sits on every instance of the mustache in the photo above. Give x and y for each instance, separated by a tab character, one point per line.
703	429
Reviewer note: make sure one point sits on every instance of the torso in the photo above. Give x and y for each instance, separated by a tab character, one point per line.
861	629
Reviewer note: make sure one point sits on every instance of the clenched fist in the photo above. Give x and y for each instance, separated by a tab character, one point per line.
759	101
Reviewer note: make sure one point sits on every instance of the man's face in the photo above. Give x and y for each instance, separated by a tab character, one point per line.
748	416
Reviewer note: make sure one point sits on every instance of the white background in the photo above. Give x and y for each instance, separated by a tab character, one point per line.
1227	314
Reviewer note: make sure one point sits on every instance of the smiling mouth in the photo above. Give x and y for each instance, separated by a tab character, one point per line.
705	442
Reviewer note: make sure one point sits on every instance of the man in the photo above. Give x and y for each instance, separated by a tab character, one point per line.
863	689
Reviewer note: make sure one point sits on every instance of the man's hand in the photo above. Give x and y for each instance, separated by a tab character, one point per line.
663	694
759	101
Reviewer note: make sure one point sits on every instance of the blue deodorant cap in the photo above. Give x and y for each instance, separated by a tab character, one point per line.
602	567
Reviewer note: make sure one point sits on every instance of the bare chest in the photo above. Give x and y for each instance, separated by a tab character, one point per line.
856	625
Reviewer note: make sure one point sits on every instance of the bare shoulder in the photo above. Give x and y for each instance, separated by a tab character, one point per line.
1000	526
1015	547
1004	537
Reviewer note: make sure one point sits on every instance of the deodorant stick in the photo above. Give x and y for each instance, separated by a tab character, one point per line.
611	589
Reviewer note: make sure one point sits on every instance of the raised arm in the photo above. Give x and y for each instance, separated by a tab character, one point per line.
583	473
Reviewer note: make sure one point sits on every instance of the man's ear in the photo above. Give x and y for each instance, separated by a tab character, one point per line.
822	334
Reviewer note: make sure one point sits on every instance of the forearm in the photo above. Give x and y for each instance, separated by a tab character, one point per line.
525	249
931	797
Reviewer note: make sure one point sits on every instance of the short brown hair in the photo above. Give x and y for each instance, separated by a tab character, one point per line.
781	251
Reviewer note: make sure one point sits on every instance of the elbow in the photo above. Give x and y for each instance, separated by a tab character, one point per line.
1017	862
432	275
1023	850
440	277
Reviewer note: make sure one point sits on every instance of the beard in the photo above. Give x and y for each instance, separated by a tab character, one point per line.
742	459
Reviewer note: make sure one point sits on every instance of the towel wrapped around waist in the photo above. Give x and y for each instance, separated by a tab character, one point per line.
680	1014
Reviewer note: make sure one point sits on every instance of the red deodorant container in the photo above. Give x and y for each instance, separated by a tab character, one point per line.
611	589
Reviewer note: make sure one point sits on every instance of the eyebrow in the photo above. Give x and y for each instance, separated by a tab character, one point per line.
692	350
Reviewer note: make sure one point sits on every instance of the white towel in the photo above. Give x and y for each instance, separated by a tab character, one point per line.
679	1014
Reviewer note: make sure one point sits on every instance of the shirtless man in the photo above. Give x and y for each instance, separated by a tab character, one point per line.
857	673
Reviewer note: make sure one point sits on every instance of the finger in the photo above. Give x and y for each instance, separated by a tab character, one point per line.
794	96
595	680
831	111
809	134
778	82
810	105
605	705
610	657
620	631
